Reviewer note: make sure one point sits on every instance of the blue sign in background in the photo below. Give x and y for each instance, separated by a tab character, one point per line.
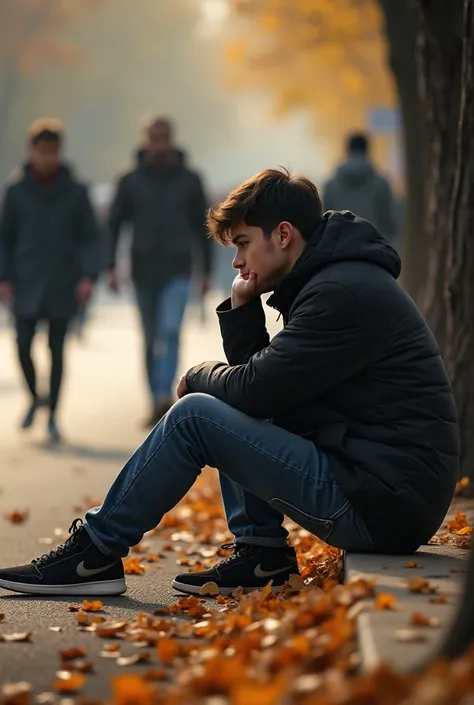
384	120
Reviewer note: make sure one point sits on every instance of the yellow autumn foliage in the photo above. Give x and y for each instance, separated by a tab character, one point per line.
327	56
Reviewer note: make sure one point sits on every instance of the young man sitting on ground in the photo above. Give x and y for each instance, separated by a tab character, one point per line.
344	422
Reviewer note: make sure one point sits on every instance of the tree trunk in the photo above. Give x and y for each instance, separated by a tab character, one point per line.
439	60
400	29
459	282
445	73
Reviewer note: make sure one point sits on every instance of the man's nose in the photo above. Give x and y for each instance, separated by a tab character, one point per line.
237	262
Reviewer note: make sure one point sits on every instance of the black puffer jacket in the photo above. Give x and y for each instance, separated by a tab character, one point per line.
166	208
49	240
357	370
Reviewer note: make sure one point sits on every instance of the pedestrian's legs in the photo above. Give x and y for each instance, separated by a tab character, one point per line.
282	469
57	337
25	332
147	299
170	312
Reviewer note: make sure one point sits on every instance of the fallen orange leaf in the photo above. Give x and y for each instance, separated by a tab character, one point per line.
75	652
17	516
16	693
420	620
385	601
411	564
209	589
420	585
155	674
94	606
168	649
132	690
459	522
465	531
133	566
108	630
70	683
439	599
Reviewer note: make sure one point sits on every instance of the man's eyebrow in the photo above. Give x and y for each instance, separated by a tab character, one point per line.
238	238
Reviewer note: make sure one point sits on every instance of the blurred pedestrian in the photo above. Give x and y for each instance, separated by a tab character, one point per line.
358	187
49	256
164	202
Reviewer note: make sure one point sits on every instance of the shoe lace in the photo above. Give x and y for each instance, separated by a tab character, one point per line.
237	548
65	547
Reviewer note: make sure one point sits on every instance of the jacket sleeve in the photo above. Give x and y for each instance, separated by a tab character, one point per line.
121	211
323	344
197	212
8	235
243	330
89	238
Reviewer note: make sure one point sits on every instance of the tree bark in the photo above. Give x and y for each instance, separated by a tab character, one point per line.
400	29
459	279
445	72
439	60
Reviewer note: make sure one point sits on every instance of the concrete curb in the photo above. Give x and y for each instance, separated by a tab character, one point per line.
379	631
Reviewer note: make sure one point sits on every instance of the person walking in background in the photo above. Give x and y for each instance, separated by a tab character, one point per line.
49	256
358	187
164	202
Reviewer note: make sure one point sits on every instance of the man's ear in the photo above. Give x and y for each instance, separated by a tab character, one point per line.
285	234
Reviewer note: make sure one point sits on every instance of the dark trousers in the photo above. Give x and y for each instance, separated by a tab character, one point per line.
25	333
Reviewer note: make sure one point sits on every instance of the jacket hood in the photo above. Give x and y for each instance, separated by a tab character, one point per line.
339	237
140	156
65	170
356	171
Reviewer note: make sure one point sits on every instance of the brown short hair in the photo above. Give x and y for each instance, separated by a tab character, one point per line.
265	200
149	121
47	129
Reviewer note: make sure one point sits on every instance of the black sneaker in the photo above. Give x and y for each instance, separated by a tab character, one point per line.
250	567
77	567
29	417
53	430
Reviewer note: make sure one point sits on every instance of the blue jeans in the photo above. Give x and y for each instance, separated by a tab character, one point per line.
162	310
265	472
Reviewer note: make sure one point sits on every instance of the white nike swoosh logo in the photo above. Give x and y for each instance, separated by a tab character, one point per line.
259	573
84	572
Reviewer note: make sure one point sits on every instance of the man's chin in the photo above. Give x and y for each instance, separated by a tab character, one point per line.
265	289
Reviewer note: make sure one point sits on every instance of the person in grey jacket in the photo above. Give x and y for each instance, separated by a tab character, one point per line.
358	187
49	256
164	202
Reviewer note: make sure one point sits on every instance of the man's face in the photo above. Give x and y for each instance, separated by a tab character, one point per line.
45	156
159	140
267	256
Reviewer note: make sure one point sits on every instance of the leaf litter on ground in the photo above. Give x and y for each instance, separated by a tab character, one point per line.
295	645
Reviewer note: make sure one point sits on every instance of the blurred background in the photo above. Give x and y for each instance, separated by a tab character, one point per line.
250	84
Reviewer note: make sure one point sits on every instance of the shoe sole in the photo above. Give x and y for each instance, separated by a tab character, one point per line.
104	587
196	589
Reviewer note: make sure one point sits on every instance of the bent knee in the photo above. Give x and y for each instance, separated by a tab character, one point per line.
196	404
